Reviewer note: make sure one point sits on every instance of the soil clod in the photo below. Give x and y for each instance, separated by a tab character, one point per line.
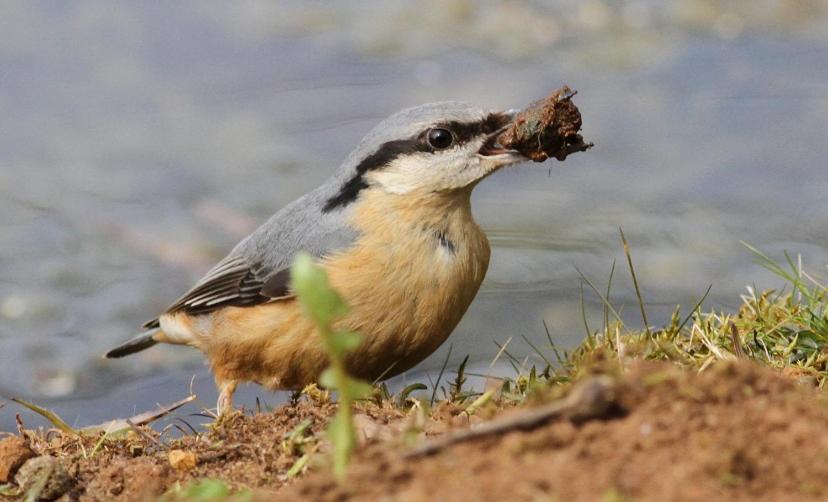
14	451
547	128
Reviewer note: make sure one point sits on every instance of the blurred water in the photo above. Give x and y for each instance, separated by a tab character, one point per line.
140	141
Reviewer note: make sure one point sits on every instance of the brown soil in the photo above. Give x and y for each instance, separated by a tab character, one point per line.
547	128
736	431
13	453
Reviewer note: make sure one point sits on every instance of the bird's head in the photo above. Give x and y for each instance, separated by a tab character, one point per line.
438	147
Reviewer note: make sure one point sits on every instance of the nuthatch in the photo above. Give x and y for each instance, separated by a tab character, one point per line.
393	229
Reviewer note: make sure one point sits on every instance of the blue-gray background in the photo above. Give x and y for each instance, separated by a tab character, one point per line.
140	140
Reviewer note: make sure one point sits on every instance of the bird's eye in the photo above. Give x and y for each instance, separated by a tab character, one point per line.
440	138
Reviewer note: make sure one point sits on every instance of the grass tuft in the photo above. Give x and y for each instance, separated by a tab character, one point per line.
785	329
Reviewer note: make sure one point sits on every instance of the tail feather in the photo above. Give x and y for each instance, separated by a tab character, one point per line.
137	344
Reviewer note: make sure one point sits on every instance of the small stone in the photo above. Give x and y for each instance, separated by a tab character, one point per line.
181	460
34	470
367	429
13	453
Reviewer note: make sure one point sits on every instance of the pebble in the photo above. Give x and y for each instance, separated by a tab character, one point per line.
181	460
33	471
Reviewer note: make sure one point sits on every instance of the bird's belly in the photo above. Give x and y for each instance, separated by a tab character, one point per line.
405	302
403	305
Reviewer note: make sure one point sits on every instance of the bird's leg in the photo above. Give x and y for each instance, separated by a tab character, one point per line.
225	399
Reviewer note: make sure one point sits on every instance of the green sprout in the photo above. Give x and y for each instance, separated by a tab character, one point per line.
323	305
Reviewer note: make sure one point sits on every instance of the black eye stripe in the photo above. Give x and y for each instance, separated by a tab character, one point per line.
463	133
389	151
467	131
384	155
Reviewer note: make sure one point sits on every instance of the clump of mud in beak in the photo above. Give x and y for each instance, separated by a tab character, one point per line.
546	128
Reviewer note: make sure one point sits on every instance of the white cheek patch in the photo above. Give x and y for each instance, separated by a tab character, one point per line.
402	175
448	169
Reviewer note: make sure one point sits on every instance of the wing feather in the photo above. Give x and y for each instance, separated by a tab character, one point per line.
231	282
258	269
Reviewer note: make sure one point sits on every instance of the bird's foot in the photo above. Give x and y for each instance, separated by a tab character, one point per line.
224	406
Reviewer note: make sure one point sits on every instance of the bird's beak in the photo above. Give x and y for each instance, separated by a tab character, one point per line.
494	151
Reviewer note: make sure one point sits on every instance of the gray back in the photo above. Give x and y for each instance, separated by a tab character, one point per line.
255	271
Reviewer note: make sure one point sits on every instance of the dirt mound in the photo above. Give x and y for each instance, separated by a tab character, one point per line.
736	431
244	451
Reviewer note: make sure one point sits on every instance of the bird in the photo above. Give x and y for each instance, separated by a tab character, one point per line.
394	231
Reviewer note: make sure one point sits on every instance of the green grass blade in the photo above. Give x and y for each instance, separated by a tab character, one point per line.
49	415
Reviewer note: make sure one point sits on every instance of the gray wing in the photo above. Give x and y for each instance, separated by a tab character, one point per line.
233	281
257	270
